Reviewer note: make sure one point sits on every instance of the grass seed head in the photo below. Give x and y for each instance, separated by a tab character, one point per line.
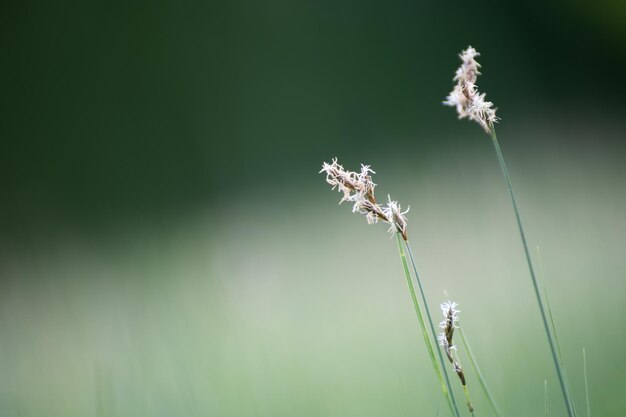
358	188
469	103
449	323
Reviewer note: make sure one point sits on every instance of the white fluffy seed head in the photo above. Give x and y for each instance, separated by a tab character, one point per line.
465	98
358	188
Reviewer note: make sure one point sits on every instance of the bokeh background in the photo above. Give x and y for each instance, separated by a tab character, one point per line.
167	247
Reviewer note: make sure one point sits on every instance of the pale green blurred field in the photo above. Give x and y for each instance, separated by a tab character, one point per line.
279	303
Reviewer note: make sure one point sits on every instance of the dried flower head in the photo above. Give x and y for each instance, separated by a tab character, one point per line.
465	96
348	182
449	323
358	188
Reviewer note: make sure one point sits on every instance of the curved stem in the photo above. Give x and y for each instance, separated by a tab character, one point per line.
558	346
432	327
479	374
557	365
418	312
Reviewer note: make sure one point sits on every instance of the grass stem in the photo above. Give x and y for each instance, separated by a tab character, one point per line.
558	345
545	397
559	371
479	374
586	383
432	327
470	405
445	388
541	277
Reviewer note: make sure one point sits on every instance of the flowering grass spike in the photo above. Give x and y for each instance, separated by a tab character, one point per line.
449	323
469	103
358	188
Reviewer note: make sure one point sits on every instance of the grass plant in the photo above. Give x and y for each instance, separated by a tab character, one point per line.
358	188
471	104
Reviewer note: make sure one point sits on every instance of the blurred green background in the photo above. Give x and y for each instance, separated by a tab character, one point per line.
167	247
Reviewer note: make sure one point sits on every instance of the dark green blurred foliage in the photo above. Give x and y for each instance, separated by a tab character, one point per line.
123	112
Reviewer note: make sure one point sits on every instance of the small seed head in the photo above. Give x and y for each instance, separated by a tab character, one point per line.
358	188
465	98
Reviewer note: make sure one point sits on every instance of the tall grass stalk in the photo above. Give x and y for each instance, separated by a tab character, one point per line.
545	397
440	371
553	327
432	326
586	383
479	374
558	345
557	364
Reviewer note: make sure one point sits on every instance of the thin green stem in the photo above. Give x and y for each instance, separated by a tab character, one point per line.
481	378
432	327
586	384
559	371
541	277
469	401
545	396
558	345
420	318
